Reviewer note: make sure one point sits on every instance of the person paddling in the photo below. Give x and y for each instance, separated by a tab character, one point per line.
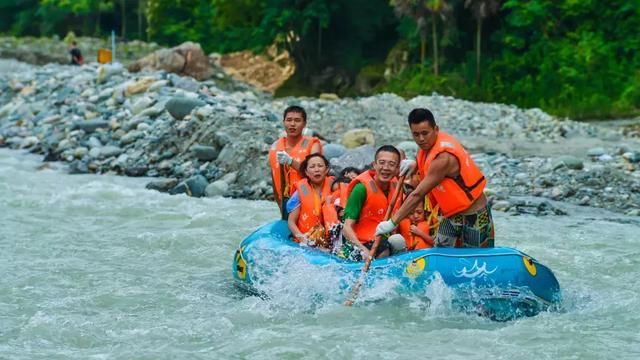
369	196
313	219
449	173
287	153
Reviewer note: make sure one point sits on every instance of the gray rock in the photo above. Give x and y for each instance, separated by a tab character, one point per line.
568	161
162	185
179	107
204	153
230	178
359	157
595	152
78	167
91	125
632	156
410	148
196	185
501	205
141	104
633	212
109	151
217	188
135	171
131	137
80	152
333	150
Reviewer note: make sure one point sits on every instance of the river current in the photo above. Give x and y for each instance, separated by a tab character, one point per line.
97	267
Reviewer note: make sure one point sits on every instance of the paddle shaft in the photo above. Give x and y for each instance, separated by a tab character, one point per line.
376	243
283	186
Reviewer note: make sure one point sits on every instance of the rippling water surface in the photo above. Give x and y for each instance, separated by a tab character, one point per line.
99	267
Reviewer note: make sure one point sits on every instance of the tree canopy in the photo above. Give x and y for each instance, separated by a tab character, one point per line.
575	58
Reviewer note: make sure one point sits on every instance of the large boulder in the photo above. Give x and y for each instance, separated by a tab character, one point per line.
358	137
185	59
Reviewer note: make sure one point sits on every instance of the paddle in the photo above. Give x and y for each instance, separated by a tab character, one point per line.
283	186
376	243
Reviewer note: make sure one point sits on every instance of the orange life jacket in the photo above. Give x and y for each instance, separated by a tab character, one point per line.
374	208
341	195
314	212
414	242
298	153
453	195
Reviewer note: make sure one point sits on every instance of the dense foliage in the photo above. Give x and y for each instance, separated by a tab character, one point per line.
579	58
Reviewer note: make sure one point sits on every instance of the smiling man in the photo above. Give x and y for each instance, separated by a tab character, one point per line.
288	152
369	197
449	173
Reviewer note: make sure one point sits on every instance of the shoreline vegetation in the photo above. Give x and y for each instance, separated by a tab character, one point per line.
211	137
576	59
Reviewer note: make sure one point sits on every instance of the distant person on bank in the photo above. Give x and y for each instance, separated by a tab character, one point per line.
449	173
288	152
76	55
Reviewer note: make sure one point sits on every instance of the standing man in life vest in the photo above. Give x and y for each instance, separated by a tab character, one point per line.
369	196
288	152
453	179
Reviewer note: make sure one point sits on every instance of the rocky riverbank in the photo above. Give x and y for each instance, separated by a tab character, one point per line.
206	139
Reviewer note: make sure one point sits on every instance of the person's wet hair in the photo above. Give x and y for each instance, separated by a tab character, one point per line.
305	162
419	115
295	109
349	169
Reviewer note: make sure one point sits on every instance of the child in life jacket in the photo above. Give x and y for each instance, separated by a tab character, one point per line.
414	232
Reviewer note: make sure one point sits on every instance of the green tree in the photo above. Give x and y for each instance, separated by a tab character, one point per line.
481	9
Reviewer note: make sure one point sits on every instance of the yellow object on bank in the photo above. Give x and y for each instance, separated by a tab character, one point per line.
104	56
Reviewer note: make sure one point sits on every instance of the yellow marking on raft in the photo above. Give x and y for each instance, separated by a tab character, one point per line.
529	265
241	265
416	267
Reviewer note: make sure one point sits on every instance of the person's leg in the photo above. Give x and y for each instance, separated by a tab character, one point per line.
449	231
478	229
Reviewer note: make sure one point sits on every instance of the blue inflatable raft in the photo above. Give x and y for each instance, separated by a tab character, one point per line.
501	283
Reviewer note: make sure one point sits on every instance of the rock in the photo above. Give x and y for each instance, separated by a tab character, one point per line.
333	150
162	185
501	205
105	71
329	96
185	59
568	161
595	152
217	188
78	167
632	156
91	125
204	153
359	158
109	151
135	171
131	137
179	107
230	178
194	186
80	152
584	201
141	104
29	141
139	86
410	148
605	158
633	212
358	137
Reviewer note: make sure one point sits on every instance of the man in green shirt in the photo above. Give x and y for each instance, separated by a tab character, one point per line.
369	197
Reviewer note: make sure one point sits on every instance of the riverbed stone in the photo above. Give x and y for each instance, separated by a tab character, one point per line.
217	188
333	150
568	161
179	107
204	152
358	137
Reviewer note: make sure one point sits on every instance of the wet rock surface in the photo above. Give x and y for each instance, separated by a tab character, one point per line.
203	138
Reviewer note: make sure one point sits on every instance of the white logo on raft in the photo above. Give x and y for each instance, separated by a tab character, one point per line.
475	271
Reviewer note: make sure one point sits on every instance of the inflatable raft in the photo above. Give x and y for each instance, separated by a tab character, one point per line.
501	283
